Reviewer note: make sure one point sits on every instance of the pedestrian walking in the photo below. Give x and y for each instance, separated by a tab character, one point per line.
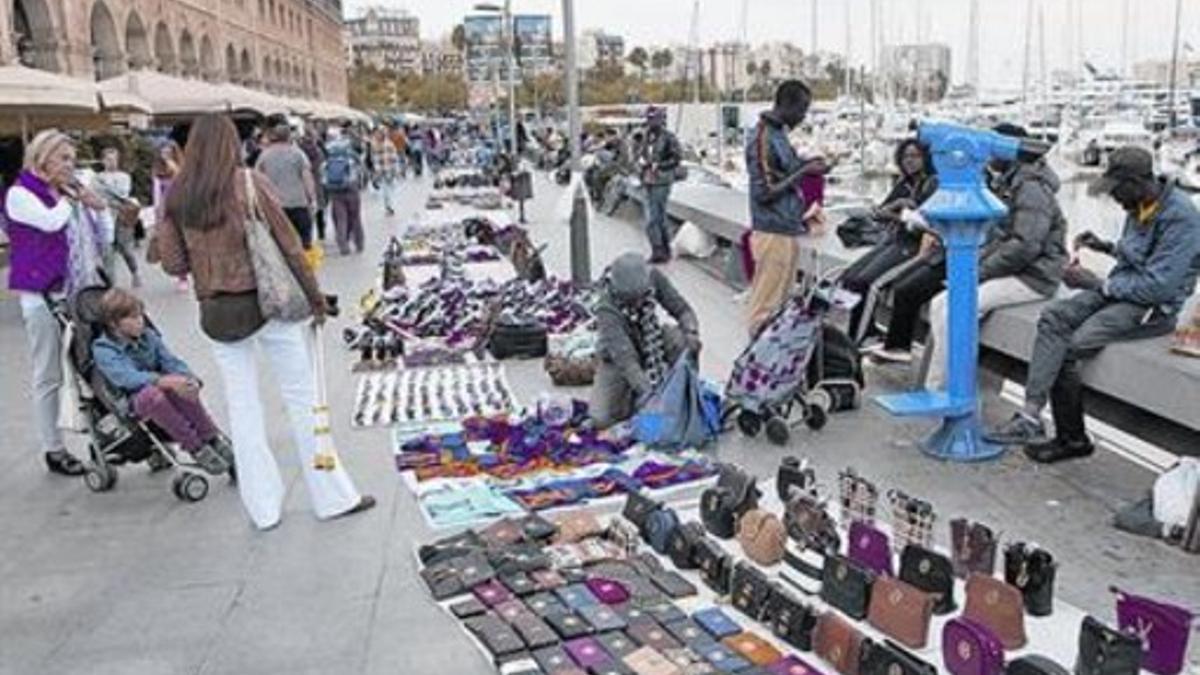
167	163
204	232
659	163
311	146
386	167
116	187
341	176
288	168
54	228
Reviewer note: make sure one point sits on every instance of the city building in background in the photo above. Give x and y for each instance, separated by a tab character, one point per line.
918	71
534	45
441	59
599	48
386	39
288	47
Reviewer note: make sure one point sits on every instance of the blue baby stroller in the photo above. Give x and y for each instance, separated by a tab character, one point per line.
796	363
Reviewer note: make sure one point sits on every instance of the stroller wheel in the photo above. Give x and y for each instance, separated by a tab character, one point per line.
99	478
749	423
778	431
190	487
821	398
816	417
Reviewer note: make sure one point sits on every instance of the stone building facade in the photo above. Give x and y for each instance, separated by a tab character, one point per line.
286	47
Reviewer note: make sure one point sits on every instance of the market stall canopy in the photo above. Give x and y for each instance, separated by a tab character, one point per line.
31	91
238	97
165	95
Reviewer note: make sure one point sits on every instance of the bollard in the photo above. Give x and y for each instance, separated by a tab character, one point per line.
581	255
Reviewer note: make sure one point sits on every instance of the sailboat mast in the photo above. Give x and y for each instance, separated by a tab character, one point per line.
1028	55
1173	119
846	63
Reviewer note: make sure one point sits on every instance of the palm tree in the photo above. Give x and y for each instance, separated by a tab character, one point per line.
458	38
639	59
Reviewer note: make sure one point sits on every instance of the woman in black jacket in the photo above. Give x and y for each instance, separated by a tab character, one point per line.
917	183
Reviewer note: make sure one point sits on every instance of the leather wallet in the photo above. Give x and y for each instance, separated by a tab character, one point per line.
492	593
652	635
448	548
576	596
721	657
553	659
602	618
901	612
607	591
751	588
846	586
568	625
753	648
889	658
510	609
617	644
791	665
535	528
586	652
497	637
519	664
518	583
446	579
665	612
546	580
535	632
649	661
674	585
468	608
577	526
688	661
837	642
544	603
687	631
716	623
503	532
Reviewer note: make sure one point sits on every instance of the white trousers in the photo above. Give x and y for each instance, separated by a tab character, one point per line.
993	295
44	338
286	346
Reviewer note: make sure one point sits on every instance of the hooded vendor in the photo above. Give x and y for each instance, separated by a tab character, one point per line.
635	348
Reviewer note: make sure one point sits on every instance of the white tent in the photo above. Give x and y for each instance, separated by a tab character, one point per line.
165	94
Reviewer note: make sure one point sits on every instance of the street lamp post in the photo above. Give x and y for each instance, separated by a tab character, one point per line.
581	255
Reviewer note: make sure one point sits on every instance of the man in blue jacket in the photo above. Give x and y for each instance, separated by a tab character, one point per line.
1158	259
776	205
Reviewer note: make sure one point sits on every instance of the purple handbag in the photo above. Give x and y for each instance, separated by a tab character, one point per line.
791	665
970	648
608	591
870	548
1163	629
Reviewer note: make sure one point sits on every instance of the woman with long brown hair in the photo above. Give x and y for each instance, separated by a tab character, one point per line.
167	162
204	233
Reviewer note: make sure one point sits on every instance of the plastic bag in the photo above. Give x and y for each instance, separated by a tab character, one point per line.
1175	492
693	242
682	413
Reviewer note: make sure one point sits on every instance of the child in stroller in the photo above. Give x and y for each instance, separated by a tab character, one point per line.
158	388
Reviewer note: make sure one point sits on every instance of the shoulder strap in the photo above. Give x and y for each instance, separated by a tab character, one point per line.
251	194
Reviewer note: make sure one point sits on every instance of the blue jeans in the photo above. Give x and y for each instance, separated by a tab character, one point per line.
656	219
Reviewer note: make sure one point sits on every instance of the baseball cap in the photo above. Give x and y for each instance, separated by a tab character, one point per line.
1123	163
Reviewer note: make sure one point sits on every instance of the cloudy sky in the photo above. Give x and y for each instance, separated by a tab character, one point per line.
1003	25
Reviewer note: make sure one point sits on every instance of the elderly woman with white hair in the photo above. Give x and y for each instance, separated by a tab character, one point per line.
54	228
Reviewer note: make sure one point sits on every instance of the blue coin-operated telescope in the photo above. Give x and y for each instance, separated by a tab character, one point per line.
961	210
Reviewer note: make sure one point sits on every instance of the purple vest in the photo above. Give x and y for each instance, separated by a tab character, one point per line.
37	259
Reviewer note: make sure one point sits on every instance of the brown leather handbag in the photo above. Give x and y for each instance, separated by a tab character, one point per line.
762	537
901	611
838	643
998	606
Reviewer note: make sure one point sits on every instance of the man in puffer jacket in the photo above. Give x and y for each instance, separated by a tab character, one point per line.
634	349
1024	257
1158	260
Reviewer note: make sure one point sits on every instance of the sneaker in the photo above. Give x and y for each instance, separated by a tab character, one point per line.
210	460
64	463
891	355
1020	430
1059	450
366	503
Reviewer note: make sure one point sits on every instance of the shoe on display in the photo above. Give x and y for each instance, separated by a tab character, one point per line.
1059	450
1020	430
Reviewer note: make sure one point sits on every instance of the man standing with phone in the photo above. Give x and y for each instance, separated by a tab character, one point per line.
660	159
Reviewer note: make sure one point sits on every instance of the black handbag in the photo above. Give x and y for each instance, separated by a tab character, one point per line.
750	590
659	527
518	338
790	619
795	475
889	658
231	317
809	524
931	572
1034	665
638	509
1032	570
716	566
1107	651
846	586
682	545
721	506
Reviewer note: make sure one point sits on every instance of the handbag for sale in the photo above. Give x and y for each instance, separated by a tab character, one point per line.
722	505
1163	628
912	520
790	619
683	543
1106	651
969	648
762	537
795	476
837	642
577	526
901	612
659	527
1034	664
998	606
716	566
889	658
280	295
517	338
809	523
858	496
1032	570
973	548
931	572
750	590
870	548
846	586
638	509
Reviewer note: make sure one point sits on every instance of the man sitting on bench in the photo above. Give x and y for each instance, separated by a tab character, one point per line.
1158	259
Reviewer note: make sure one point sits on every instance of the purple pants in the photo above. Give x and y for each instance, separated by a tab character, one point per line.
347	220
184	419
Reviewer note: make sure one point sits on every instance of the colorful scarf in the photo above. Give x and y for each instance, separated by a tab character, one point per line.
651	344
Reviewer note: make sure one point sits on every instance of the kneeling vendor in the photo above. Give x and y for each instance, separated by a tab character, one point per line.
634	348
